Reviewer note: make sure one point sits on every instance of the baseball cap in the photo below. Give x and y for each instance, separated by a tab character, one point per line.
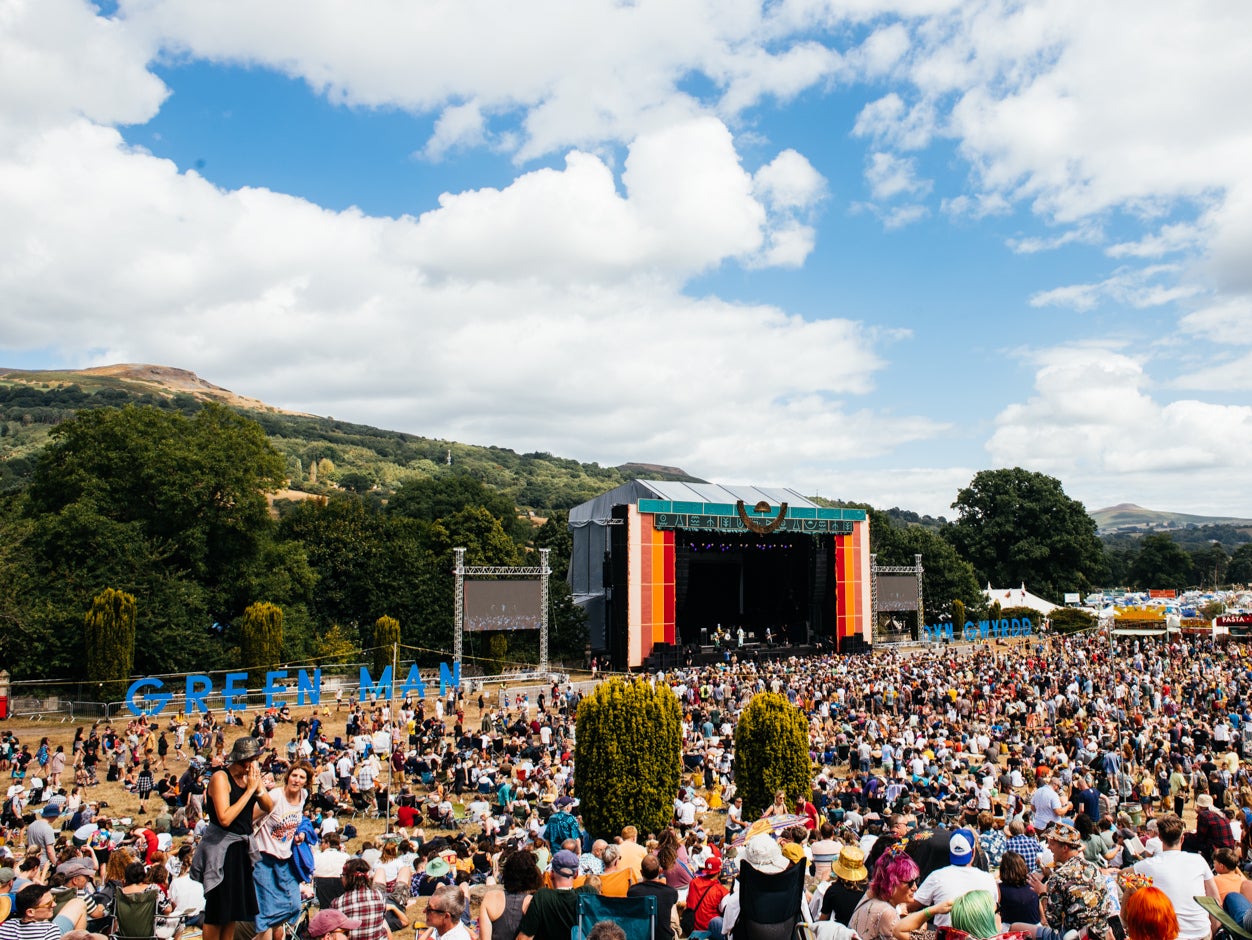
7	875
961	847
565	862
75	867
331	919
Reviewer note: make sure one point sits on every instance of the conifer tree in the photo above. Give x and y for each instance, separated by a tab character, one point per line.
386	635
261	639
110	642
771	753
629	756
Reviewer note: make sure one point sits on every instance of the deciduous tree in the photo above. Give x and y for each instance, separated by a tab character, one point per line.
1016	527
1161	563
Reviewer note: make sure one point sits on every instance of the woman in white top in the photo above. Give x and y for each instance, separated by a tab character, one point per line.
274	834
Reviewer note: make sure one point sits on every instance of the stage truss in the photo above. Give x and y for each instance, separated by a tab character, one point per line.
461	571
915	570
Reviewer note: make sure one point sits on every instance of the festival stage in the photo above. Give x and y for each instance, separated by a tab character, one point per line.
665	657
664	565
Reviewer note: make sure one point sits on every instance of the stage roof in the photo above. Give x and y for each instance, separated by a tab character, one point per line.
600	508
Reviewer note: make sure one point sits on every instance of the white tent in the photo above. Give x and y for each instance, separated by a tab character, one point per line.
1018	597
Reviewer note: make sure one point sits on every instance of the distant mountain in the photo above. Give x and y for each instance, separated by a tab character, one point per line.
1127	517
323	454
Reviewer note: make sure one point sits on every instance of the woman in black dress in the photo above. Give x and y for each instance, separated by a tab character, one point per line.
235	796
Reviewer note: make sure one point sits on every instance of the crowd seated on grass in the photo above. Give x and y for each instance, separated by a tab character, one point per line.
1045	774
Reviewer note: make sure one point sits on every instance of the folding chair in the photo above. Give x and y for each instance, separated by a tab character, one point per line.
636	916
1229	926
362	804
135	915
769	905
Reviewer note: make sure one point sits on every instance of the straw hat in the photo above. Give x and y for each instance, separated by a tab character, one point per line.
850	865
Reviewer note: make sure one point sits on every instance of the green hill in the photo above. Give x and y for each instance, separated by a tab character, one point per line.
1127	517
322	453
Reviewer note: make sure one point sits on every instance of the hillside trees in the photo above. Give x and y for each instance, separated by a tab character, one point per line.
1240	569
369	563
435	498
165	507
948	579
1161	563
365	564
1015	527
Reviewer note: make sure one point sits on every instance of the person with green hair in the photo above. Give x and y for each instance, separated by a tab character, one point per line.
975	913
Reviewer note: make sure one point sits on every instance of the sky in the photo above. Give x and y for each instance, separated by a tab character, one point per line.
864	249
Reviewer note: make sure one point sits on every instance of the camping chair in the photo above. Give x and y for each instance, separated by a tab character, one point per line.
327	889
1229	926
636	916
135	915
769	905
362	804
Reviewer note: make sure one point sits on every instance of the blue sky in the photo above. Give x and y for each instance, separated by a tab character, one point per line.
859	248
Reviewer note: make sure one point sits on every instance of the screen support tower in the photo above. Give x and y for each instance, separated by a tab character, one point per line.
461	570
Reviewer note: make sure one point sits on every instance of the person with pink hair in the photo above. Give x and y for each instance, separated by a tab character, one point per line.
892	884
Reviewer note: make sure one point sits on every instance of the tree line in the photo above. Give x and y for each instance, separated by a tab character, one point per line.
169	507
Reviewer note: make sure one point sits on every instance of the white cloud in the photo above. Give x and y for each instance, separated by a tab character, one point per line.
885	48
1169	240
888	121
1135	287
1093	423
688	206
1058	102
1226	322
105	79
1030	245
1220	337
460	126
978	206
890	176
789	182
577	74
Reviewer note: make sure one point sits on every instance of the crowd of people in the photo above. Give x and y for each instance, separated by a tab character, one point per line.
1031	788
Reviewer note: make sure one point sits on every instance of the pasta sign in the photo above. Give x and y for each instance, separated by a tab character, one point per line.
982	630
150	696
